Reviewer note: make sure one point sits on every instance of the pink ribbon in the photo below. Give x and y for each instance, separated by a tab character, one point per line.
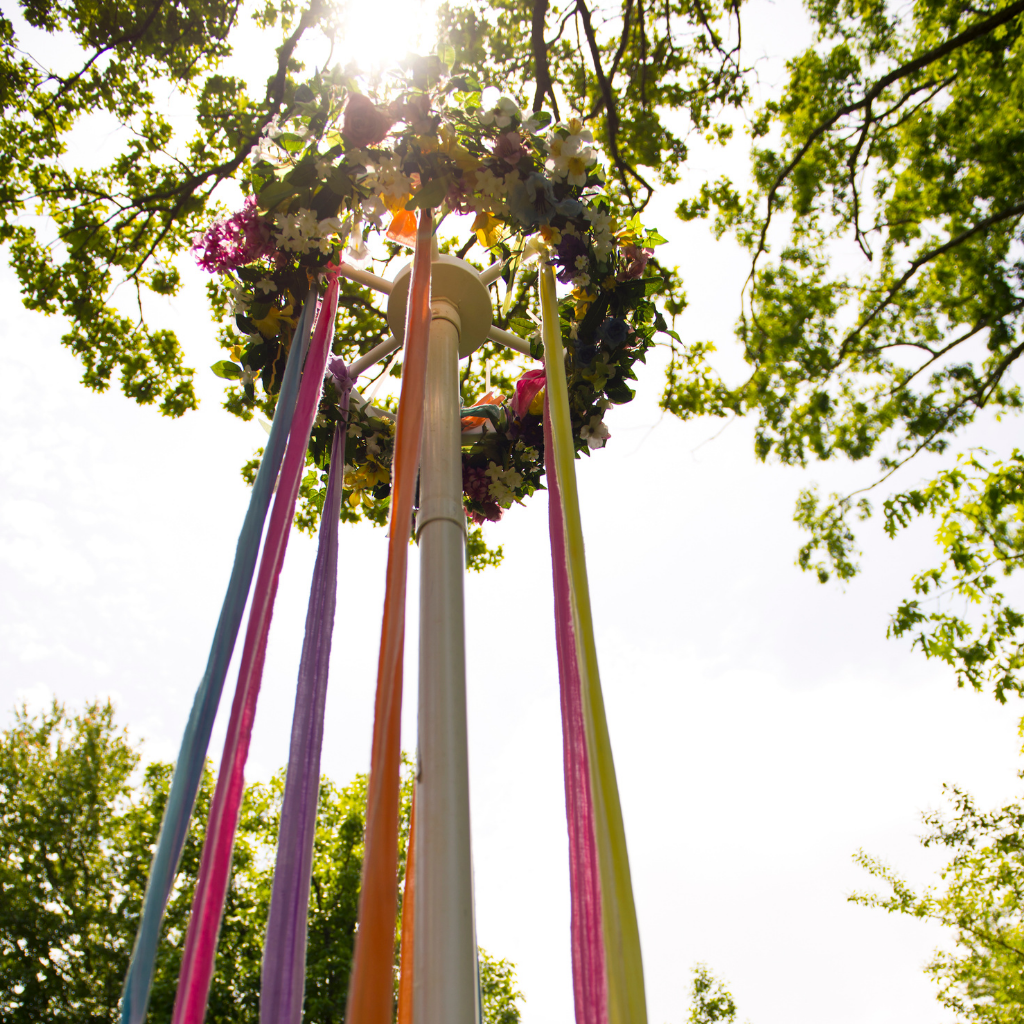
200	950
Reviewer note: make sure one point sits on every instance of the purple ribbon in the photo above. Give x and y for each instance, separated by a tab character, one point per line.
588	964
284	954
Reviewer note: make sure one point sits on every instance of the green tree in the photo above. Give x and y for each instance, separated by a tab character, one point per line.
710	1001
883	310
76	837
980	903
623	66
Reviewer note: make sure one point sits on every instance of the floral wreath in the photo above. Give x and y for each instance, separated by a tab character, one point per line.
339	166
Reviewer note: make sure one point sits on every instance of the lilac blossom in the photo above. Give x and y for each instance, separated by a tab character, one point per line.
241	239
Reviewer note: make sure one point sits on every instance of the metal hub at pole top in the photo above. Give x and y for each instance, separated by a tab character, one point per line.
459	283
445	979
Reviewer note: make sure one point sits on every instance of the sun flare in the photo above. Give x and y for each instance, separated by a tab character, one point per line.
377	33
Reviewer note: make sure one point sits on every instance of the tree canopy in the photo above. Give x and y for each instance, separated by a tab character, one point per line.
77	830
881	316
882	313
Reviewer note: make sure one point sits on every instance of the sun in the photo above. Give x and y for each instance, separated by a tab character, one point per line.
376	33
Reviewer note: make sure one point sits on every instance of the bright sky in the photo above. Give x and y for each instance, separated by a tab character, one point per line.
763	727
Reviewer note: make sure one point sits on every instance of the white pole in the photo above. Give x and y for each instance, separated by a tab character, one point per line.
445	969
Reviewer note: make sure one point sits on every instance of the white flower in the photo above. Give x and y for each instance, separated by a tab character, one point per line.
357	254
582	262
581	281
601	225
503	483
372	448
570	157
373	211
266	286
241	298
323	167
595	433
501	114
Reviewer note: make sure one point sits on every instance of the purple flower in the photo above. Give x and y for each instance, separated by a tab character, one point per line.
569	249
476	485
510	148
613	333
459	198
636	262
241	239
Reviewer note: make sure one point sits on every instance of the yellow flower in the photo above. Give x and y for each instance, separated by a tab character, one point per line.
550	235
270	325
584	300
460	156
363	479
609	283
537	405
396	204
488	229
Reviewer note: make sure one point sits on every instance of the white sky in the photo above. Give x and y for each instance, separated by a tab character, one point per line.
763	727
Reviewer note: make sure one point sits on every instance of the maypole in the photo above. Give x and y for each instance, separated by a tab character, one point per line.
536	196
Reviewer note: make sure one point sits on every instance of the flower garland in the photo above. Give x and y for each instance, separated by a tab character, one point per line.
340	166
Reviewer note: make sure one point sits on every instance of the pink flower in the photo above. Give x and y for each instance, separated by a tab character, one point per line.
510	148
365	123
527	388
637	260
241	239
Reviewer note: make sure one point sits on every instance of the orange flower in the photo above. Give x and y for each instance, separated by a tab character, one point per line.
402	228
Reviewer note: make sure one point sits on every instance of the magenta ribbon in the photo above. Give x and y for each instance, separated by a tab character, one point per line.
588	964
199	954
284	954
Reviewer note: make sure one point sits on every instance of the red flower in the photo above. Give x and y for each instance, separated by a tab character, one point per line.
365	123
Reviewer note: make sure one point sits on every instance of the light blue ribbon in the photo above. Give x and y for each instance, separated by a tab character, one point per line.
188	770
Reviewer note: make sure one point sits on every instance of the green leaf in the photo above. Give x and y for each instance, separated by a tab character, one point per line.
446	54
227	369
431	195
541	118
275	193
289	141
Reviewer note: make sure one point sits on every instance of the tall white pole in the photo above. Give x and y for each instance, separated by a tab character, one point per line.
445	968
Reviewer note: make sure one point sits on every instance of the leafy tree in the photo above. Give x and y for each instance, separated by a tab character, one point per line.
981	903
623	66
710	1000
76	838
883	310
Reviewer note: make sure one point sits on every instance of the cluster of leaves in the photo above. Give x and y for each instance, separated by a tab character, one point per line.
981	902
76	838
897	143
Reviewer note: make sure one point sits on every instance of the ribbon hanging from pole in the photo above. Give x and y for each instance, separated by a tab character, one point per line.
200	950
370	992
284	953
626	1002
188	769
588	964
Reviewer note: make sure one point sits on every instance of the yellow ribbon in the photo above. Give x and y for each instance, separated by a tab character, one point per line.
626	1000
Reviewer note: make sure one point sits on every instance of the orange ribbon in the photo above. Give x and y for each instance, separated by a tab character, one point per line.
370	991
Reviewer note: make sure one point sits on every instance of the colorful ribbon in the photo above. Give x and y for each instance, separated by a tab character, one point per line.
284	953
188	770
370	992
588	967
200	950
626	1003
